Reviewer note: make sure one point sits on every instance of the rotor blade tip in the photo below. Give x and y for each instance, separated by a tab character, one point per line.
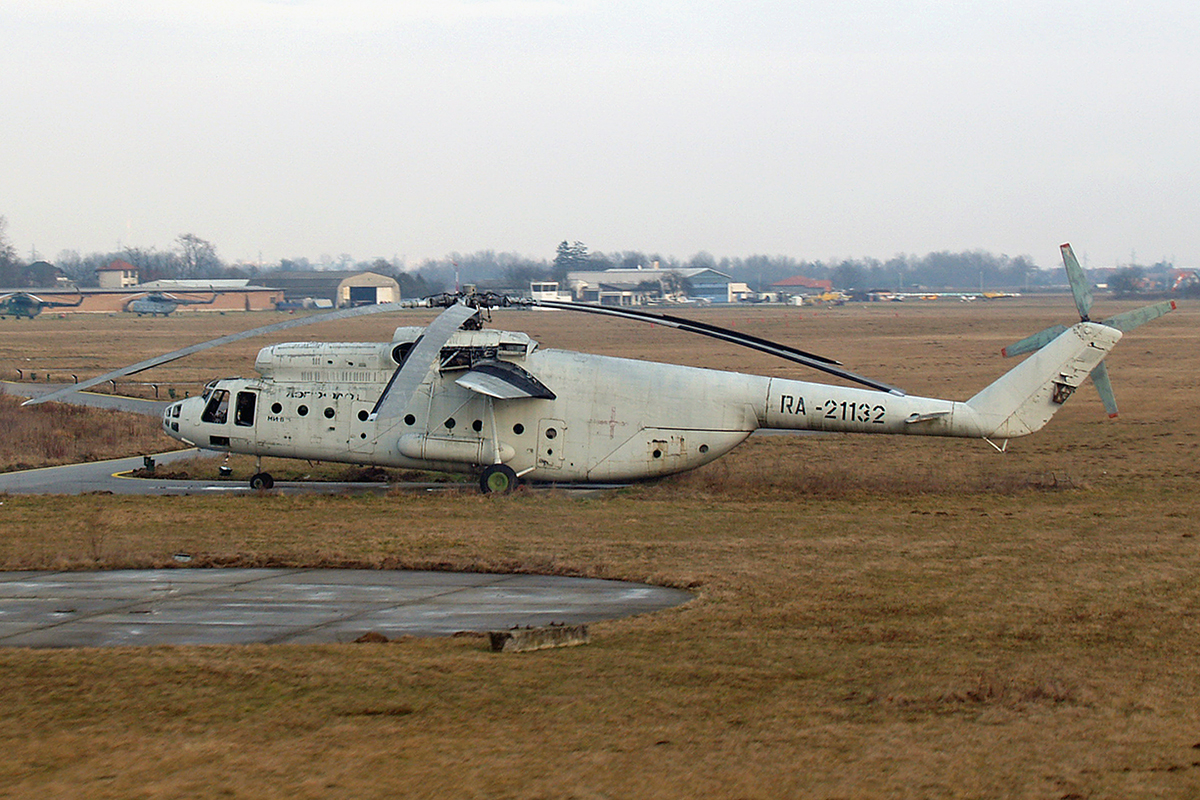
1004	352
1113	415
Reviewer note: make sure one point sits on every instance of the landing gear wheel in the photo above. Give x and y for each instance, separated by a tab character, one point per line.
497	478
262	481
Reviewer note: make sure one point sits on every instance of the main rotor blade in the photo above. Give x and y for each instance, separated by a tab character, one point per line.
166	358
1081	288
78	302
827	365
424	356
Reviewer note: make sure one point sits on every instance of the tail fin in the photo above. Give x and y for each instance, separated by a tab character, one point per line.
1081	289
1025	398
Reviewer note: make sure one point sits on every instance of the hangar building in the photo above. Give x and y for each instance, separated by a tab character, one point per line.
337	289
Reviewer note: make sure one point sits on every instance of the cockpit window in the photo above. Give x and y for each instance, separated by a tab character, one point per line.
243	412
217	409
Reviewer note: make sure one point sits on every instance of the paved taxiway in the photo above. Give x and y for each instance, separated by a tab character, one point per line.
297	606
300	606
241	606
112	477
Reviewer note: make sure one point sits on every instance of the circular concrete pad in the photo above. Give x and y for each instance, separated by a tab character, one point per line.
309	606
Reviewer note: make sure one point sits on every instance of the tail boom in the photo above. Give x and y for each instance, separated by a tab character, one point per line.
1020	402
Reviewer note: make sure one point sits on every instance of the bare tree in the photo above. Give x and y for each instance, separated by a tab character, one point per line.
198	256
674	285
1126	282
10	265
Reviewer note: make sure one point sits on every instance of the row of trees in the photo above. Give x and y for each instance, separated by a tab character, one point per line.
192	257
11	268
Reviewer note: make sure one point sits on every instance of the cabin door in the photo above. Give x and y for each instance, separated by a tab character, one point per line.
551	443
245	413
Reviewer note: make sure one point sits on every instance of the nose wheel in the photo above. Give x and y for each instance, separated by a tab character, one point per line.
498	478
261	481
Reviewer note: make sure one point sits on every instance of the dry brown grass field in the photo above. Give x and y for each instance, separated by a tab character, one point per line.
874	617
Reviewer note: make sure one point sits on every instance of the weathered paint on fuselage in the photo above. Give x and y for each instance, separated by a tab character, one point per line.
610	418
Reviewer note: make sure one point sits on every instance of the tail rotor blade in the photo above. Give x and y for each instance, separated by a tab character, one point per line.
1080	287
1129	320
1035	342
1104	386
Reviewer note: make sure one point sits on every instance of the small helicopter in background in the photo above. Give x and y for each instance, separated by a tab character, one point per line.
454	397
162	303
25	304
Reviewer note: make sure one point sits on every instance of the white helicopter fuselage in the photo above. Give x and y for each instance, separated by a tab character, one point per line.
579	417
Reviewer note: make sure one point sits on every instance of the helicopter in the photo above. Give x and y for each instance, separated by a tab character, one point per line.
455	397
155	303
24	304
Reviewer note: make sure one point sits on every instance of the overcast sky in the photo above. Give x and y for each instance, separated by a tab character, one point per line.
412	128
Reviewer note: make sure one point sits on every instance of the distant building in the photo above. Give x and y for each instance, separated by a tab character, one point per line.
626	287
341	289
117	275
740	292
798	284
548	290
44	274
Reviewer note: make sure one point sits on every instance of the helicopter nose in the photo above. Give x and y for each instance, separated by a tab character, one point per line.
181	417
170	419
